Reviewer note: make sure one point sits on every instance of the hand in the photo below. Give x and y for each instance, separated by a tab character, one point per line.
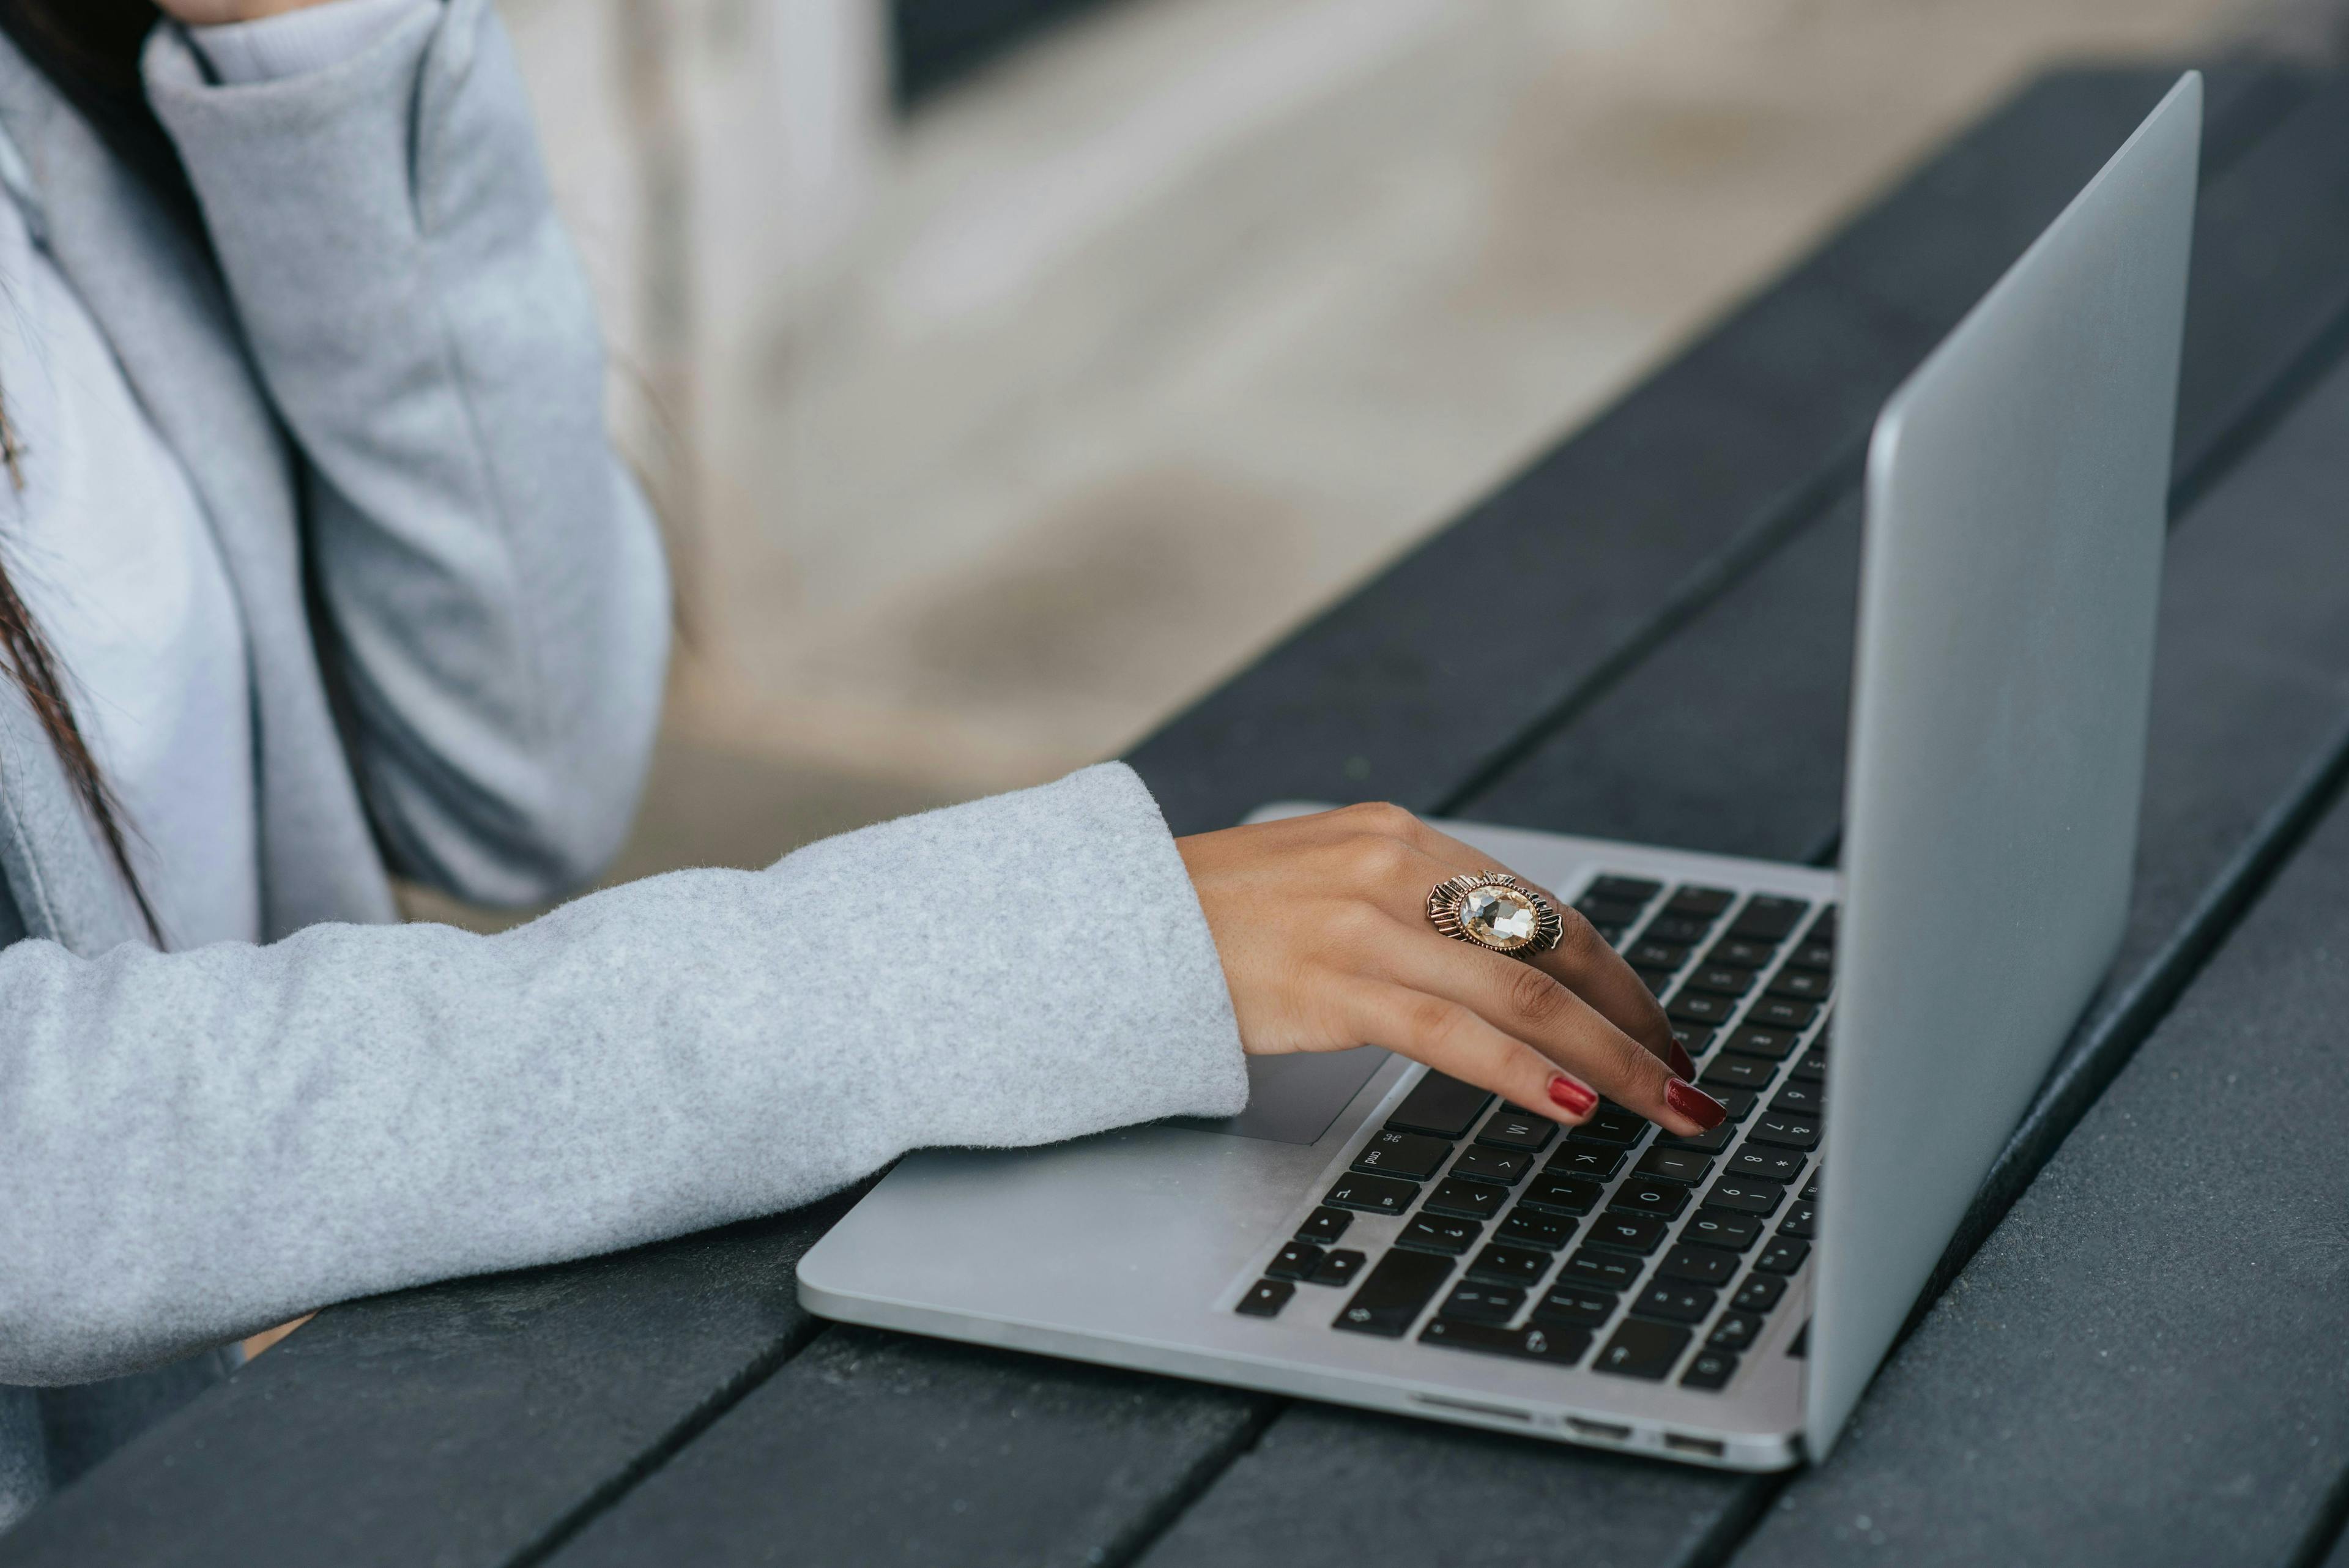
1321	924
211	13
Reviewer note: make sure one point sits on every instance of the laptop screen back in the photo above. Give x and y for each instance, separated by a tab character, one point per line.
2016	509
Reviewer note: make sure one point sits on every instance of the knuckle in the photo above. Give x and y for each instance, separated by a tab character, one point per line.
1383	816
1536	998
1378	860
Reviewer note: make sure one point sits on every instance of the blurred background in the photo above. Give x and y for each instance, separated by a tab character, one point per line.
1009	371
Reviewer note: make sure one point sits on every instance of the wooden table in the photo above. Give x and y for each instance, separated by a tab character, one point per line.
2143	1356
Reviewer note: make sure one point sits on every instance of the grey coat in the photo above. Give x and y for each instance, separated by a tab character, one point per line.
386	390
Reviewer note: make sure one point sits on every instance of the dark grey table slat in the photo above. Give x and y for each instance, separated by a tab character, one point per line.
1600	546
929	1429
539	1445
462	1424
2145	1363
2252	685
1313	1513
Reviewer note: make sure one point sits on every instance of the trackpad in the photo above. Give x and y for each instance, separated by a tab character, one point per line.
1294	1098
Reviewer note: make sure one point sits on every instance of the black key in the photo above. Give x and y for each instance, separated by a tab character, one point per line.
1324	1226
1518	1129
1392	1294
1800	985
1668	956
1730	1071
1373	1194
1612	1124
1800	1345
1414	1156
1466	1199
1632	1232
1778	1045
1705	902
1735	954
1699	1265
1816	956
1531	1228
1483	1303
1650	1196
1768	918
1571	1194
1573	1306
1739	1103
1675	1303
1607	911
1642	1349
1339	1268
1787	1132
1694	1038
1712	1141
1296	1261
1825	930
1607	1271
1681	928
1596	1160
1760	1292
1266	1298
1498	1265
1810	1192
1441	1106
1722	1228
1813	1067
1800	1099
1722	979
1736	1330
1710	1369
1479	1163
1673	1165
1701	1007
1431	1233
1657	981
1624	889
1535	1342
1780	1012
1760	1159
1783	1256
1746	1195
1800	1222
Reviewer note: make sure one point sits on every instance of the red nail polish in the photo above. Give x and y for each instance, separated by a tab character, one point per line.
1682	1063
1578	1101
1694	1103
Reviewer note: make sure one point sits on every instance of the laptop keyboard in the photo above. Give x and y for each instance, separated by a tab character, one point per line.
1618	1247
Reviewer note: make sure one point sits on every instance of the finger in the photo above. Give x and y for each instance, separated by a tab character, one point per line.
1534	1007
1583	961
1452	1039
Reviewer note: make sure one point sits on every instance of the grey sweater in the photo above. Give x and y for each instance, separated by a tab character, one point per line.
386	389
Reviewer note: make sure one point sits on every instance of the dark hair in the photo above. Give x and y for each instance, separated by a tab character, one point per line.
90	50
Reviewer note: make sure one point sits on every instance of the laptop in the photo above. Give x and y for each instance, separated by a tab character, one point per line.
1375	1234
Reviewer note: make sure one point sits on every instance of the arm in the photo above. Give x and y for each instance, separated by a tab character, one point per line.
195	1146
493	586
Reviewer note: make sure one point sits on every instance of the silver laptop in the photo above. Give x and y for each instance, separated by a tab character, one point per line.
1374	1234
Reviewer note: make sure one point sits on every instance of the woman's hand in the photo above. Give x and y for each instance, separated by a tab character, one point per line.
210	13
1321	924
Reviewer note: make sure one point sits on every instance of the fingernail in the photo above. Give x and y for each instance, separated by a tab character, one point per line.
1578	1101
1694	1103
1683	1062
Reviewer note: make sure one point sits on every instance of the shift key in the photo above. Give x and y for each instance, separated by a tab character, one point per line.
1392	1295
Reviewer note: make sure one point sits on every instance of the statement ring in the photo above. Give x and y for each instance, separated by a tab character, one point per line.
1493	910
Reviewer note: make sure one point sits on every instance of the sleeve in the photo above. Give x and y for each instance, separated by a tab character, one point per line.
492	583
294	42
196	1145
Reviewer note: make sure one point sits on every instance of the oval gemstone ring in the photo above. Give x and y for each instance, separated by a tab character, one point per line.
1493	910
